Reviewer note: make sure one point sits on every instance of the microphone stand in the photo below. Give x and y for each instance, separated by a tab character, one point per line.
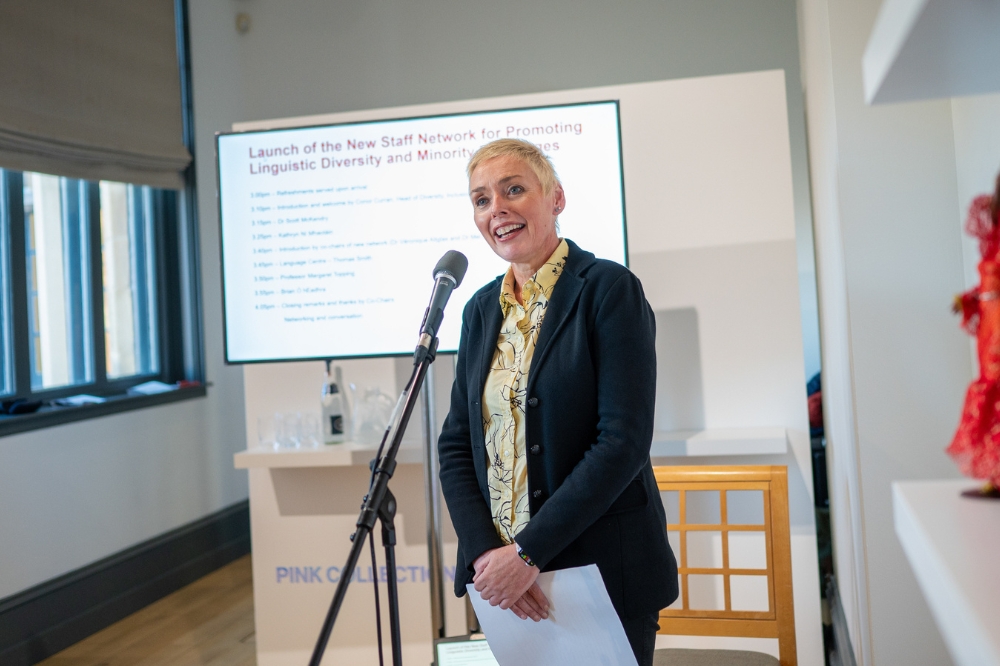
380	504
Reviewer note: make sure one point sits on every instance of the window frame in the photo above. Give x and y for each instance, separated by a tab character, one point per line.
170	319
6	323
175	270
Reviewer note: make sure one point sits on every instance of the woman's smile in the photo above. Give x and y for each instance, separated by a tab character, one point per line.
507	230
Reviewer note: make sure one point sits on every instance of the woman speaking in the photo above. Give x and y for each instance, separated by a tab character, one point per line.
545	452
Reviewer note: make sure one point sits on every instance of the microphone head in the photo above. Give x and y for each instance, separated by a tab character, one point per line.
453	264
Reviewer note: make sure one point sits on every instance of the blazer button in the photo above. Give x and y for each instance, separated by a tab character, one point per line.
536	449
532	402
537	493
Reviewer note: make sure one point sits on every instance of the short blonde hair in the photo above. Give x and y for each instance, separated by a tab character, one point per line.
525	151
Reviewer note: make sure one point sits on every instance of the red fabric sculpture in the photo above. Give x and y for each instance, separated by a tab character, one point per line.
976	447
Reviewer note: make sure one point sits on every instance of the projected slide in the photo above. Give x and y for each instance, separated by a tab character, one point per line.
330	233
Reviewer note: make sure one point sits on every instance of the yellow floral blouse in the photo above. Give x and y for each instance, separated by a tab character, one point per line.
504	393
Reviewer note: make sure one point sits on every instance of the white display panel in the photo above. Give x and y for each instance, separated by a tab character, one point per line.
330	234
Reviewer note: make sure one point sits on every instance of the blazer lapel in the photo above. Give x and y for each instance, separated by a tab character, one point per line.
561	305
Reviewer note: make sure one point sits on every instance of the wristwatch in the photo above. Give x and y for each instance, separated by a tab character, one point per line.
523	555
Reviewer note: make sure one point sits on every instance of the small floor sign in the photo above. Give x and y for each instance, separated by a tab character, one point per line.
464	651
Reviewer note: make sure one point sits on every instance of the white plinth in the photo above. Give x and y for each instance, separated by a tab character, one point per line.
303	506
952	544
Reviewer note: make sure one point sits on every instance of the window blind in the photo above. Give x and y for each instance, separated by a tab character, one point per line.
92	90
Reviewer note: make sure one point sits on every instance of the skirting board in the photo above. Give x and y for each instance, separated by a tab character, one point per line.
45	619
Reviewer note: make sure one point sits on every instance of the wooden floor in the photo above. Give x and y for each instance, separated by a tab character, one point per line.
208	622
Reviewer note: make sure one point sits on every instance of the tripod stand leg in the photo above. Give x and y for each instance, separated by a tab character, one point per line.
471	621
387	514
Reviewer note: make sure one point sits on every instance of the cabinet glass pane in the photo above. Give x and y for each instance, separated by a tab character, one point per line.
128	269
56	224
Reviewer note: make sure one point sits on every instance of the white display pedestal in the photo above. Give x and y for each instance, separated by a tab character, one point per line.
303	506
952	544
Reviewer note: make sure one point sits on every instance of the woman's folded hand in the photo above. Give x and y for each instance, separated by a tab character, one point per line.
504	580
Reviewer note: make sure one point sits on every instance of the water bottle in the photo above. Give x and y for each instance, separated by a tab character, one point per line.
332	411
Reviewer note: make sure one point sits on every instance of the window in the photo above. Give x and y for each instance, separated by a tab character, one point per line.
99	295
96	291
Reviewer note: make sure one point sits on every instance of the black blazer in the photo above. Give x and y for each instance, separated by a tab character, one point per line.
591	389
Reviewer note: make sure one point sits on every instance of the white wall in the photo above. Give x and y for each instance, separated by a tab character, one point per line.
73	494
888	206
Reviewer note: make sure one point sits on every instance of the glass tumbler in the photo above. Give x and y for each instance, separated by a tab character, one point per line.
310	434
266	437
288	427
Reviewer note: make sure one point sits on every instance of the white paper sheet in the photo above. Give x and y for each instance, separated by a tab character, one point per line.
582	627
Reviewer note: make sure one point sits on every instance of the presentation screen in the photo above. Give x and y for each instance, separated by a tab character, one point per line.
330	233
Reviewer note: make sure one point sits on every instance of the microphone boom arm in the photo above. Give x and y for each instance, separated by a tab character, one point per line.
379	504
